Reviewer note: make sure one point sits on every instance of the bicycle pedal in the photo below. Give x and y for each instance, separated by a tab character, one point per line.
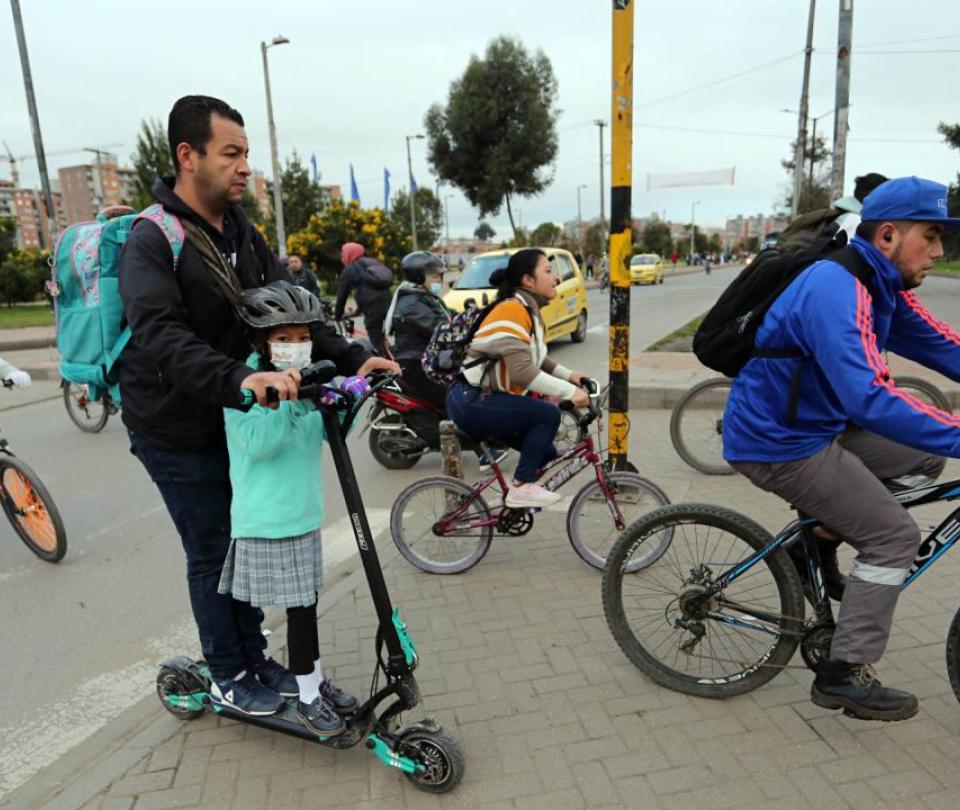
532	510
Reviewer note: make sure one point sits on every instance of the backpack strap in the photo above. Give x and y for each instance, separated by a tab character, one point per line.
171	227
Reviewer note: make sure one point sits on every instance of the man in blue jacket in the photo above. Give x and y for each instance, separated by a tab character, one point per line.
833	449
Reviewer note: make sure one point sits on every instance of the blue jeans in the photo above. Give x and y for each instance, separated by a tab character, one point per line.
196	490
525	424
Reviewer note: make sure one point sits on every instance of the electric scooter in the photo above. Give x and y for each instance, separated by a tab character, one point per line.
432	760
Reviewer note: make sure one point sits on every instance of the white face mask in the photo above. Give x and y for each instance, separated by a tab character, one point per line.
291	355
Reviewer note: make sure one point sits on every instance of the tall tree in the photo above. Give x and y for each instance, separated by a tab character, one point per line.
815	189
657	239
8	236
546	235
429	216
951	240
151	160
301	197
496	136
483	231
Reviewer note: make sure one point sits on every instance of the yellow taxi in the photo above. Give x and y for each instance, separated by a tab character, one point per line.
646	268
564	315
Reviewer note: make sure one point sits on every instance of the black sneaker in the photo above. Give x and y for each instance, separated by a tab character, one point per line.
343	702
833	581
855	689
277	677
246	695
320	717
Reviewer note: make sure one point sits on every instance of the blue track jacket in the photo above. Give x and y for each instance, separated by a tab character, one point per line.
841	328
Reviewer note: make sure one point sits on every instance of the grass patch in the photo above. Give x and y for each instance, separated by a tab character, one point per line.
947	268
679	340
21	315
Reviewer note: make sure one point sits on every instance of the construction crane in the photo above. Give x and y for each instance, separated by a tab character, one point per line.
13	160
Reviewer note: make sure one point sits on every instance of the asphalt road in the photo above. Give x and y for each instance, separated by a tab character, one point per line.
81	639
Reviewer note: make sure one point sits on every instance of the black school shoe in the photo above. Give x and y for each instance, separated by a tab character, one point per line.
855	689
342	702
833	580
319	716
277	677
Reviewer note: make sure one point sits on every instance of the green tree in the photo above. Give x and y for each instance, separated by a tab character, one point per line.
429	216
546	235
251	207
951	240
483	231
593	241
302	198
150	160
8	236
22	274
497	135
815	186
656	238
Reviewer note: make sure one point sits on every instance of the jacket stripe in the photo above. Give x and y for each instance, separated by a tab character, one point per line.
879	366
942	329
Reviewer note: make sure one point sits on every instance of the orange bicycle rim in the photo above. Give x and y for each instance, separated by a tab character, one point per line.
31	513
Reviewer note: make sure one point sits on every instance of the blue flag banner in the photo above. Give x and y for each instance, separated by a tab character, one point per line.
354	194
386	190
313	162
413	184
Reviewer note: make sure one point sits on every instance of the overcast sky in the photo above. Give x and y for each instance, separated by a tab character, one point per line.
359	76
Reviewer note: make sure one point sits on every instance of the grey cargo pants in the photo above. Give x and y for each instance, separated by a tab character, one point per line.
842	486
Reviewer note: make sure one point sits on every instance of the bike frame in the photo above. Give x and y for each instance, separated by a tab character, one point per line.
934	546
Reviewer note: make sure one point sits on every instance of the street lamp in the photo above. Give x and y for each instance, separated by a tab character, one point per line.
603	222
693	229
413	212
580	218
446	219
277	196
813	140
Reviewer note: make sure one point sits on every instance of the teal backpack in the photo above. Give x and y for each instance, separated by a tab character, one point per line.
86	293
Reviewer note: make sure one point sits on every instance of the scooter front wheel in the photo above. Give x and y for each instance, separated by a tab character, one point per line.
441	525
440	756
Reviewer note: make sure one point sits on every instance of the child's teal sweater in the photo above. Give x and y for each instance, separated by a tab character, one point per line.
275	468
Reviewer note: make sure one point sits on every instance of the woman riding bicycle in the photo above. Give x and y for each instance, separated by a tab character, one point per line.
508	358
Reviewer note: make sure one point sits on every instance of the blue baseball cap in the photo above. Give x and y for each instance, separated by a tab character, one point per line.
909	199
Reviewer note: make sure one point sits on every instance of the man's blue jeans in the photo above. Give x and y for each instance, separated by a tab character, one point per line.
523	423
196	490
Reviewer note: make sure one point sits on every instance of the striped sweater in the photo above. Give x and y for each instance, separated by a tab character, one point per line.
512	336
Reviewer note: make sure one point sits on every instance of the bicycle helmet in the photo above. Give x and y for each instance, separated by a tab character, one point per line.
418	265
279	303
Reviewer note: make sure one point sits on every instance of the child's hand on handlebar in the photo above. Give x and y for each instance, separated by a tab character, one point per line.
577	377
378	364
285	382
580	398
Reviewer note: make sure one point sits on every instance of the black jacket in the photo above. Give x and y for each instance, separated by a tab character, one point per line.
371	299
185	361
307	279
415	316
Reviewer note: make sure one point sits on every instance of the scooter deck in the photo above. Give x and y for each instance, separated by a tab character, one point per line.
286	721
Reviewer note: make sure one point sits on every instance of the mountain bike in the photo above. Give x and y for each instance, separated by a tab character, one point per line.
696	423
721	611
445	526
87	413
29	506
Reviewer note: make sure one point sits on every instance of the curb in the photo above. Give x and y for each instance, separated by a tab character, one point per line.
18	344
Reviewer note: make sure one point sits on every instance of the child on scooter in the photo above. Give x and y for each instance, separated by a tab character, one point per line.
275	557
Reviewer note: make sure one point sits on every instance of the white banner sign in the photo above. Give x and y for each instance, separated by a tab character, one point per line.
720	177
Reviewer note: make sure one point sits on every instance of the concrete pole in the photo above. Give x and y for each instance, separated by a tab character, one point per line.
34	123
842	103
621	232
693	228
580	219
277	191
802	122
603	221
413	210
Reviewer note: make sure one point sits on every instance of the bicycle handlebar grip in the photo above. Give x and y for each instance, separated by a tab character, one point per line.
248	398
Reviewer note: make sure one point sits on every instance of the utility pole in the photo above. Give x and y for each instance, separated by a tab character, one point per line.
413	210
34	121
621	233
842	103
693	227
603	221
580	218
277	190
800	153
446	219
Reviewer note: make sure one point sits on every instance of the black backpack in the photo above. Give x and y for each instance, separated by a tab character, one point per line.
375	274
725	339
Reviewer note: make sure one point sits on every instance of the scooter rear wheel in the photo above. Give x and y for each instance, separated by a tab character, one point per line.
440	755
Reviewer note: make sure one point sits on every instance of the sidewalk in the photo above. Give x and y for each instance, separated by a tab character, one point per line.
518	663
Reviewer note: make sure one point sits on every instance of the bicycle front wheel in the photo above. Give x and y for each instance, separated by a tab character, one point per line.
593	523
696	426
90	415
441	526
31	510
925	391
717	646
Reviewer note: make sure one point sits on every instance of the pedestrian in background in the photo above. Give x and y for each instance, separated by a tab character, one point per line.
370	281
302	275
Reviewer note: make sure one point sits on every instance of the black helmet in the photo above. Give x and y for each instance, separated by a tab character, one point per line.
277	304
418	265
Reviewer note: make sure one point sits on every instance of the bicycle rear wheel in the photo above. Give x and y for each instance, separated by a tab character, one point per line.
717	647
591	525
88	414
696	426
31	511
435	524
926	391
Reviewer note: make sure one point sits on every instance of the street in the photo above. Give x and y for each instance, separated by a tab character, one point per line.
81	639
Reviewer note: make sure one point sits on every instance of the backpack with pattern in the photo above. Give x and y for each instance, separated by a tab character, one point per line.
444	358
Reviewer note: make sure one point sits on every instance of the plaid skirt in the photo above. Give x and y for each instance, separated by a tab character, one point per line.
285	572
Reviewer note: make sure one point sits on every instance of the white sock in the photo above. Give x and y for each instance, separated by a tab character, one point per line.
309	685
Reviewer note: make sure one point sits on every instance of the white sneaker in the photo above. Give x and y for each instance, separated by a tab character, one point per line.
521	495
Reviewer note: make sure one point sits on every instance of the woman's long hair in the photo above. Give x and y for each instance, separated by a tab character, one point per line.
522	263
